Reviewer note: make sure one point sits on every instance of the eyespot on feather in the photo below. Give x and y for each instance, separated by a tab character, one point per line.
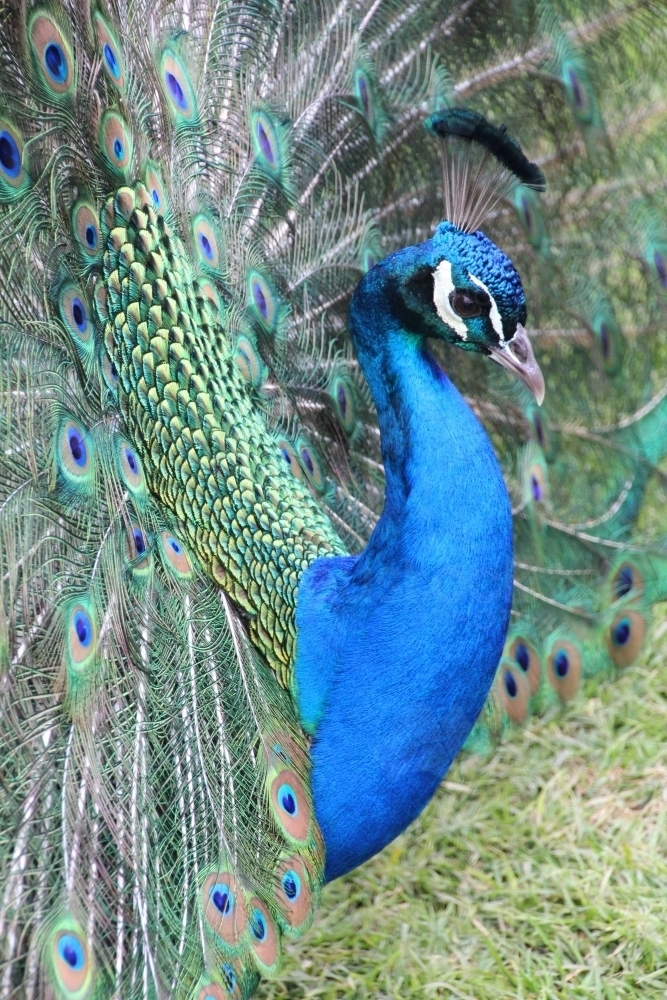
522	652
289	457
344	404
81	636
101	299
266	142
75	314
112	56
627	580
248	361
224	908
86	229
291	806
207	295
263	936
137	552
536	486
513	691
68	956
626	636
311	464
109	373
177	88
52	53
369	260
363	92
293	893
282	749
206	242
13	175
156	189
262	300
130	468
564	668
75	454
116	143
174	555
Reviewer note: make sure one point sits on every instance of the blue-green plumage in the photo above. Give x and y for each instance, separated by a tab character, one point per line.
394	659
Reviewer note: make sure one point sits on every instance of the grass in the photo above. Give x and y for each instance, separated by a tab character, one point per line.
540	872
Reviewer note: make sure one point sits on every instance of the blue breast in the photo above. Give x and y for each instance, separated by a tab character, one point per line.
397	648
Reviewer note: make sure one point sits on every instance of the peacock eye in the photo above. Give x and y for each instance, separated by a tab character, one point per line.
464	305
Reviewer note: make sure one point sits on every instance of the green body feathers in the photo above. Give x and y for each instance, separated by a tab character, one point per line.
186	204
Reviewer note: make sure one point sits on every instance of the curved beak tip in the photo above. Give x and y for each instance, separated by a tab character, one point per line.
516	355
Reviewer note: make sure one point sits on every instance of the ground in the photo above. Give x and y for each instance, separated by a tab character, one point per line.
538	873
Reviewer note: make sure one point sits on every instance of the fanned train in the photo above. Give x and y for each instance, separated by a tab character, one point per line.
188	198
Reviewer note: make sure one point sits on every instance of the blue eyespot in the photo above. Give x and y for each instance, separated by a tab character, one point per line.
265	144
176	91
258	925
10	154
222	898
362	88
139	541
77	446
522	656
605	341
260	299
175	546
71	952
286	455
91	236
55	62
661	267
155	195
577	90
111	61
561	663
83	628
622	632
118	149
205	246
624	581
291	884
307	461
229	976
206	241
527	213
131	460
341	396
79	315
511	685
539	429
535	489
288	799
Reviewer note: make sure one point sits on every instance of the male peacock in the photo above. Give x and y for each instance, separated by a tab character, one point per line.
212	601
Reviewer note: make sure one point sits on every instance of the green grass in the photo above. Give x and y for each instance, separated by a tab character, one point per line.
540	872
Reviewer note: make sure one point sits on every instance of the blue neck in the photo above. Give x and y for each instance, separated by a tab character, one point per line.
397	648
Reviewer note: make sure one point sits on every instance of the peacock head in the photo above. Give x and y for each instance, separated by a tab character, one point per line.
460	287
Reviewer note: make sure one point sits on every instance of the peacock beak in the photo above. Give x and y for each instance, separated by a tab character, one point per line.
517	356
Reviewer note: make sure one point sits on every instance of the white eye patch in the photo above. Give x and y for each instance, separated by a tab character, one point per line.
494	315
443	286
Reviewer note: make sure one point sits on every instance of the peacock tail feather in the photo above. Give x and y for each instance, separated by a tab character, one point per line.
187	199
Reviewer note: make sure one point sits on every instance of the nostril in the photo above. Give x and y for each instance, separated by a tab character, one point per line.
519	350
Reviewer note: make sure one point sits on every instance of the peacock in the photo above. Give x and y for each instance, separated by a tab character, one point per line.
277	538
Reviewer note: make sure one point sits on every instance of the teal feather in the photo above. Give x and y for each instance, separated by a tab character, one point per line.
247	166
